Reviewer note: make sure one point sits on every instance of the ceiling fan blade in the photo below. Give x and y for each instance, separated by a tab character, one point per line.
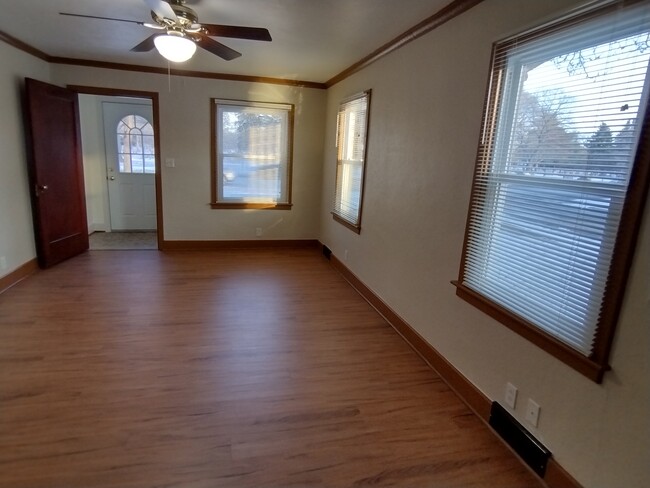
162	9
102	18
146	45
239	32
215	47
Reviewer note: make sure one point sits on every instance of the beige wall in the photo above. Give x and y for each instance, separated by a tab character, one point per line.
185	137
425	118
16	231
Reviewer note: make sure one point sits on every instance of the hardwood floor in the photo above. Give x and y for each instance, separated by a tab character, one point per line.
251	368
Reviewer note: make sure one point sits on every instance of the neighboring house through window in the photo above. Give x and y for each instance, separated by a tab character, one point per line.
561	180
251	154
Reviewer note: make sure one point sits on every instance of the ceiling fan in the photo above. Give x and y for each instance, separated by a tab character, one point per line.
180	32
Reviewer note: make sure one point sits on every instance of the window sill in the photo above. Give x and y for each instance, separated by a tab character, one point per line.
258	206
582	364
349	225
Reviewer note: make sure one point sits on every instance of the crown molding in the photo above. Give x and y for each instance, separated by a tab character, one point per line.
186	73
18	44
451	11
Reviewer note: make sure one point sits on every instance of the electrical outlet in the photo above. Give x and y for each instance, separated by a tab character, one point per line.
511	395
345	255
258	231
532	412
3	262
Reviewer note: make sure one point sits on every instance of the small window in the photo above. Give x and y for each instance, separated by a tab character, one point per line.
135	145
351	141
560	181
251	154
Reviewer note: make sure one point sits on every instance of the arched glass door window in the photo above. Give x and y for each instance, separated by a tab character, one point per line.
135	145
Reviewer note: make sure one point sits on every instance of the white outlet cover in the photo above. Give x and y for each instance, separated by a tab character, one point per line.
511	395
532	413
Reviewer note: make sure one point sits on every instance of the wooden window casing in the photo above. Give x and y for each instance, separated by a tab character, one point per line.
252	160
351	148
493	187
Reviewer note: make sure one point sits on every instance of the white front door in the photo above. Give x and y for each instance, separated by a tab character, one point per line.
130	164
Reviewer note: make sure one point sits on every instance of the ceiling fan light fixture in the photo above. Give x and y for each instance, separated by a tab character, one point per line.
175	48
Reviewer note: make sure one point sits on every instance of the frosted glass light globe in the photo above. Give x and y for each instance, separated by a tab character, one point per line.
175	48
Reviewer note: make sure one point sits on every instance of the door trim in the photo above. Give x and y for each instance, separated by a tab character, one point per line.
153	96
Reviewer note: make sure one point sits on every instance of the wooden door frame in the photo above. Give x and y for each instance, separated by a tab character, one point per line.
153	96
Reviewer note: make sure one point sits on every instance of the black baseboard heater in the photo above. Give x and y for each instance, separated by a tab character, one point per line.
529	449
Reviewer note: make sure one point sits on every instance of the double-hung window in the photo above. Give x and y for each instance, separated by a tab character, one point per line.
561	180
351	141
251	154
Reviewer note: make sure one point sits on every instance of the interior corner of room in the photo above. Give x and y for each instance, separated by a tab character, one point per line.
423	127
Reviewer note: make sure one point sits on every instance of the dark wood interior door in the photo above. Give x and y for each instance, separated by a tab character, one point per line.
55	172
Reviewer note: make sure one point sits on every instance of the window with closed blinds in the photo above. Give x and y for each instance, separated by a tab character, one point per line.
351	141
559	173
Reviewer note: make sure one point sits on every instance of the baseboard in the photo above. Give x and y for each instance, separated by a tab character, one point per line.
470	395
18	274
96	228
236	244
555	476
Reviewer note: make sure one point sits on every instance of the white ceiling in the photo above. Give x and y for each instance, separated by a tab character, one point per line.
313	40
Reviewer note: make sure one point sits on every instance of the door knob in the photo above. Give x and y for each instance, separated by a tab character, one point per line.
40	189
112	178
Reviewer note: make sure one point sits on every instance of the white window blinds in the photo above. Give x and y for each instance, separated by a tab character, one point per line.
558	144
351	139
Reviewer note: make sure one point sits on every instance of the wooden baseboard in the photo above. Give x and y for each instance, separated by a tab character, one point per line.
555	477
241	244
18	274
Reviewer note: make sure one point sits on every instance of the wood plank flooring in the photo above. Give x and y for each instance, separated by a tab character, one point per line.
251	368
